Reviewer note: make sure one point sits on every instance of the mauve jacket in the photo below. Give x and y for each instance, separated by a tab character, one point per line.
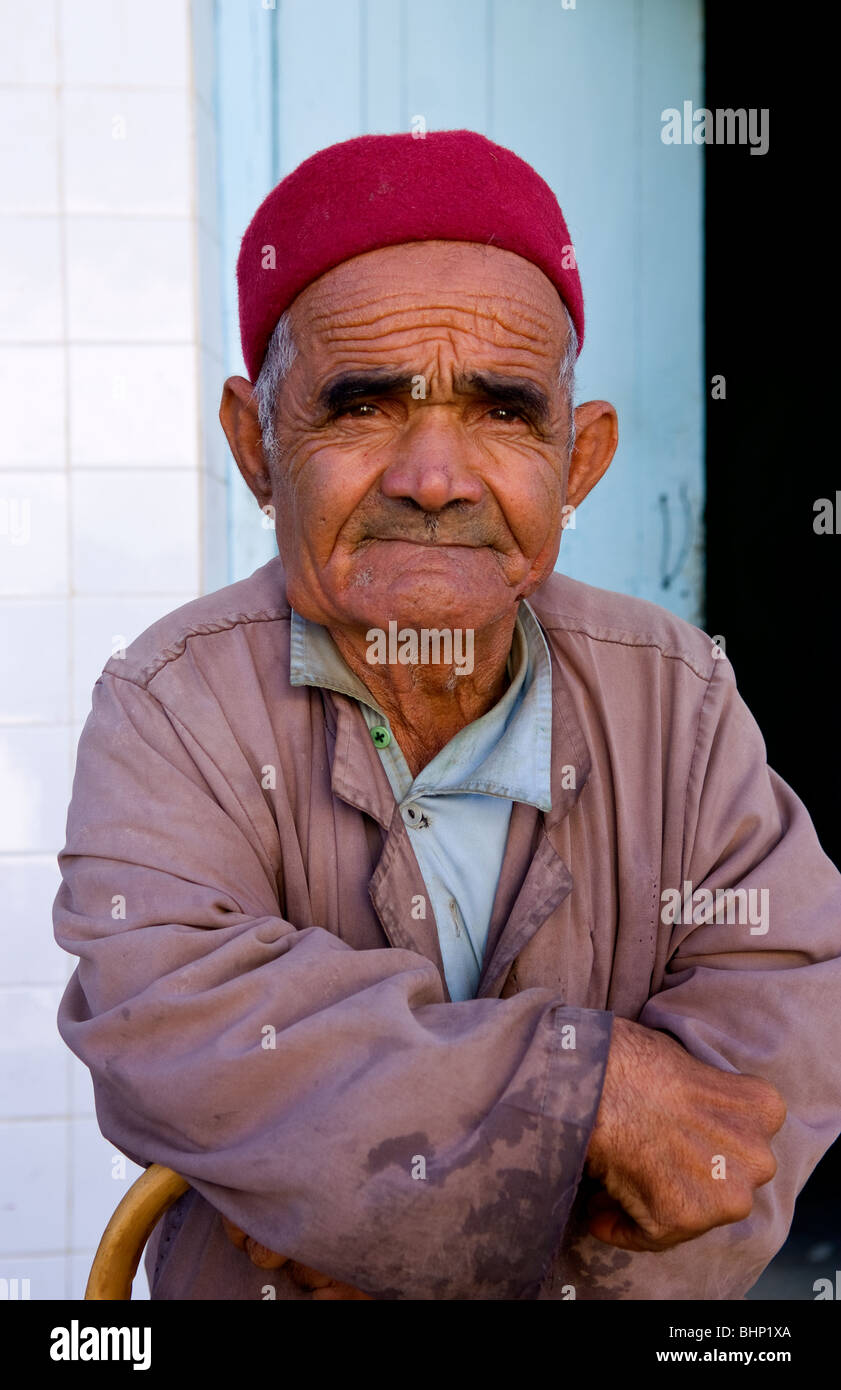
262	1005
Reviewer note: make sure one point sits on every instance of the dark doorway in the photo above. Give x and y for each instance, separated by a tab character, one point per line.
772	582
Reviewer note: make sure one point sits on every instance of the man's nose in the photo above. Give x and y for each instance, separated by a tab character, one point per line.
433	462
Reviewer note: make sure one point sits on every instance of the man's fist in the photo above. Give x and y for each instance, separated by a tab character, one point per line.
679	1147
321	1286
258	1254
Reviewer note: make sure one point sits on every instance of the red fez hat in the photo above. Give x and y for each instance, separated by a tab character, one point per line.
381	190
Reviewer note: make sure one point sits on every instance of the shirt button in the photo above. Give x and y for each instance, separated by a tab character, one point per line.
381	736
414	817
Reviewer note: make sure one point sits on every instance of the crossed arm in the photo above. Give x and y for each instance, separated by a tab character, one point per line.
663	1120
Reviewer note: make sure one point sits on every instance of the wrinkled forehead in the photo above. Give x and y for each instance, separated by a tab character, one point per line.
427	287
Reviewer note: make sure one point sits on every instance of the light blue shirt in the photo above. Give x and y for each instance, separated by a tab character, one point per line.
457	809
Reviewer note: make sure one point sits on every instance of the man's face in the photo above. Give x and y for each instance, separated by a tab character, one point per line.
421	465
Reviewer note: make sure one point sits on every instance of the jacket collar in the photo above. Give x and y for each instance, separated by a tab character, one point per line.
359	778
506	752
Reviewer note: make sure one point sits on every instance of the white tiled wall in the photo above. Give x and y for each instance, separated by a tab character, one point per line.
113	506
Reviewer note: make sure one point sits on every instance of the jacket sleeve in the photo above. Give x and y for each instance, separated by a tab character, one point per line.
754	989
325	1099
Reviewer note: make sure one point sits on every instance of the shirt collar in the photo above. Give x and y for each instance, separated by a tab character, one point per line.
506	752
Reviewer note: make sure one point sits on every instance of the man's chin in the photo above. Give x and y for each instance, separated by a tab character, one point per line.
414	582
418	608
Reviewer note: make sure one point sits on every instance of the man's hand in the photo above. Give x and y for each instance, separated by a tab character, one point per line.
678	1146
321	1286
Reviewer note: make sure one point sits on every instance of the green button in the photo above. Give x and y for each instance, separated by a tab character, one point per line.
381	736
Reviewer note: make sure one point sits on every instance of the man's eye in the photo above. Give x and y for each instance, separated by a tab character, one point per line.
360	406
507	412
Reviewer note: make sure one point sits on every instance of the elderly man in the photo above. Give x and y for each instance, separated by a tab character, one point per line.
504	977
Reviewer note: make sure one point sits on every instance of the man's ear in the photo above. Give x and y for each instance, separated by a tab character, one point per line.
238	414
596	437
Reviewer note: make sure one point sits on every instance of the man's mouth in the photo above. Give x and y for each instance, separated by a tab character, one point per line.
430	544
